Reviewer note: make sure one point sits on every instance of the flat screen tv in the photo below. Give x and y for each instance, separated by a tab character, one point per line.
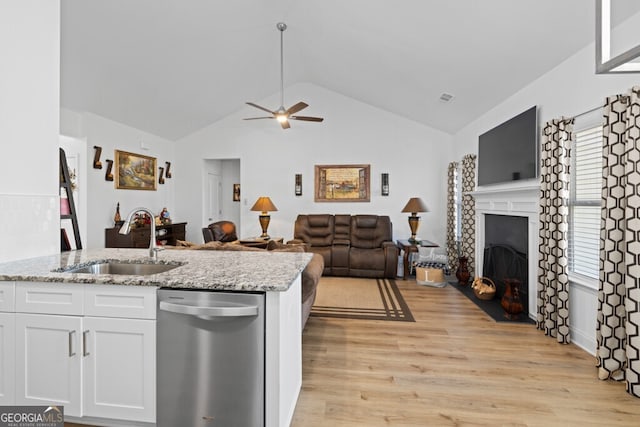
509	152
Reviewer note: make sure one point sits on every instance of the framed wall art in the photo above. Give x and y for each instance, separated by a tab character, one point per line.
342	183
236	192
135	171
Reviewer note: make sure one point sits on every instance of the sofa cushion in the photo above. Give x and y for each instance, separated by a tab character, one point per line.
370	231
319	220
317	230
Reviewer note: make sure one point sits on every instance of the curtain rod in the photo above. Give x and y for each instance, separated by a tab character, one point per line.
625	98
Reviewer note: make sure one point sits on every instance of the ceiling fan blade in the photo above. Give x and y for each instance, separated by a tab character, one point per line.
260	108
285	124
295	108
258	118
307	118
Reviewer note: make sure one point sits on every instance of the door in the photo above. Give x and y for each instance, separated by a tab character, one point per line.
7	355
120	368
48	361
214	201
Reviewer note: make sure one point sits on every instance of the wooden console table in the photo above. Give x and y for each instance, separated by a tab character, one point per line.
409	248
139	237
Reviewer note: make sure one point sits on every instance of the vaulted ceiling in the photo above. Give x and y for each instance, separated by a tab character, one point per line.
171	67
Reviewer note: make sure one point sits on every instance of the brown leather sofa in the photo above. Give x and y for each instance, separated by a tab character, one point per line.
351	245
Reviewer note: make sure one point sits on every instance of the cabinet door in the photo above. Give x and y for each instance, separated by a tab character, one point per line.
120	369
48	361
7	358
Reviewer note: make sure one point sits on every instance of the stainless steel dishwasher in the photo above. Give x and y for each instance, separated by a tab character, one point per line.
210	358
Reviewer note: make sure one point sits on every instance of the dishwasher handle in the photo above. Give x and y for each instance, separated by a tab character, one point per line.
205	312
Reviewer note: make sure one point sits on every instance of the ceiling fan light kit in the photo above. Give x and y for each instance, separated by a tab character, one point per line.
283	115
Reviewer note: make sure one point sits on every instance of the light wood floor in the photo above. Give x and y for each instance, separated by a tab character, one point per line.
454	366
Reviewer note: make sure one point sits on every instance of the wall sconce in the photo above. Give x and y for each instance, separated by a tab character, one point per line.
298	187
264	205
385	184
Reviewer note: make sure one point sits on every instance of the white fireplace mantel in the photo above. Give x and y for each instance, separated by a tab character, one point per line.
513	199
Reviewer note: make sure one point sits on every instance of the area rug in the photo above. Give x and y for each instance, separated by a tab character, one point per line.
491	307
357	298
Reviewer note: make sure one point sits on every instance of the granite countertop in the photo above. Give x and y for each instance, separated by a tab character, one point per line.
201	269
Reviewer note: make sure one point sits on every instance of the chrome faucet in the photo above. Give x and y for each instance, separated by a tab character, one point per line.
126	227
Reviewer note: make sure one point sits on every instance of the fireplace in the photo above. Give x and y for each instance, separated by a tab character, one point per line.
517	205
505	253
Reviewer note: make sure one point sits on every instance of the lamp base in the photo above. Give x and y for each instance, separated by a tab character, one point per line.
264	224
414	223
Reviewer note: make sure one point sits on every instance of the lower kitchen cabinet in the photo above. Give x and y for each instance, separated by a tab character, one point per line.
98	367
120	368
49	361
7	359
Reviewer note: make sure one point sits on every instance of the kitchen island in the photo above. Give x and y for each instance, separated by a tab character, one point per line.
40	291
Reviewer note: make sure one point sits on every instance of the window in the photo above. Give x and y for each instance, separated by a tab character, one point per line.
584	203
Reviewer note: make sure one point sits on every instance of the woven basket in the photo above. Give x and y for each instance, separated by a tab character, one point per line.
484	288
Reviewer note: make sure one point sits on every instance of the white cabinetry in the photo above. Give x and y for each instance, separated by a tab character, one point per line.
7	340
120	367
48	361
88	347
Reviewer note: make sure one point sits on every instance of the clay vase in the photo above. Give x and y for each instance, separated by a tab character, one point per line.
511	299
462	273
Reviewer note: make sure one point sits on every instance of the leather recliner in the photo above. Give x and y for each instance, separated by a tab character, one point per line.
220	231
351	245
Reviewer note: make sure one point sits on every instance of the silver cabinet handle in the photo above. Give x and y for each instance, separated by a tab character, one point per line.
210	312
71	352
85	353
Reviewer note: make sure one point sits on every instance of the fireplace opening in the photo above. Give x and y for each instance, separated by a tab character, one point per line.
505	253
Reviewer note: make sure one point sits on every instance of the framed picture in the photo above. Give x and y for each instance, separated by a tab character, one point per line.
342	183
236	192
135	171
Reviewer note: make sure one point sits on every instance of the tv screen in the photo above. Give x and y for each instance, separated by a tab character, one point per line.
509	152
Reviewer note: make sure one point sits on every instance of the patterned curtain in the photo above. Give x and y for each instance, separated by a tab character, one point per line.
452	248
618	327
468	217
553	282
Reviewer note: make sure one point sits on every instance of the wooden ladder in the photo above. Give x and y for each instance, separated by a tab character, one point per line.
65	183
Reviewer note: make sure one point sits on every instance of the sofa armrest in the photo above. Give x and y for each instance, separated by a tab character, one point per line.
341	242
391	253
388	244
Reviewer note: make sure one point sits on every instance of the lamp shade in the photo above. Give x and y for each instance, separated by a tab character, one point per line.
415	204
264	204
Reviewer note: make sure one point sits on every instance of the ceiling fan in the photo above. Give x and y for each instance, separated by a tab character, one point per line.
281	114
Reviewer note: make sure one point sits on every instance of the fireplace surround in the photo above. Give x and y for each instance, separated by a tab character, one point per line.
514	199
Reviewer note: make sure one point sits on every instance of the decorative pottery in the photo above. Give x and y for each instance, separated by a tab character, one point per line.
462	273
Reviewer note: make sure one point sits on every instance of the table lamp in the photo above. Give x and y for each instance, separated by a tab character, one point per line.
264	205
414	205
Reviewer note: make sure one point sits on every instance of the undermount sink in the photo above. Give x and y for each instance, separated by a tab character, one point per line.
120	267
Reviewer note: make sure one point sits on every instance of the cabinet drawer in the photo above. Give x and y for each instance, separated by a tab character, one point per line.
49	298
135	302
7	299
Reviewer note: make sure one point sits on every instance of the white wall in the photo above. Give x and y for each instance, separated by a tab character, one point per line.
29	110
570	88
414	155
102	196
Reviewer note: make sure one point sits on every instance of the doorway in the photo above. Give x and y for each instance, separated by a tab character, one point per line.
222	178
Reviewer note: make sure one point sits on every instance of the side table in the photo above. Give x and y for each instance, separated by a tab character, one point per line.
408	248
